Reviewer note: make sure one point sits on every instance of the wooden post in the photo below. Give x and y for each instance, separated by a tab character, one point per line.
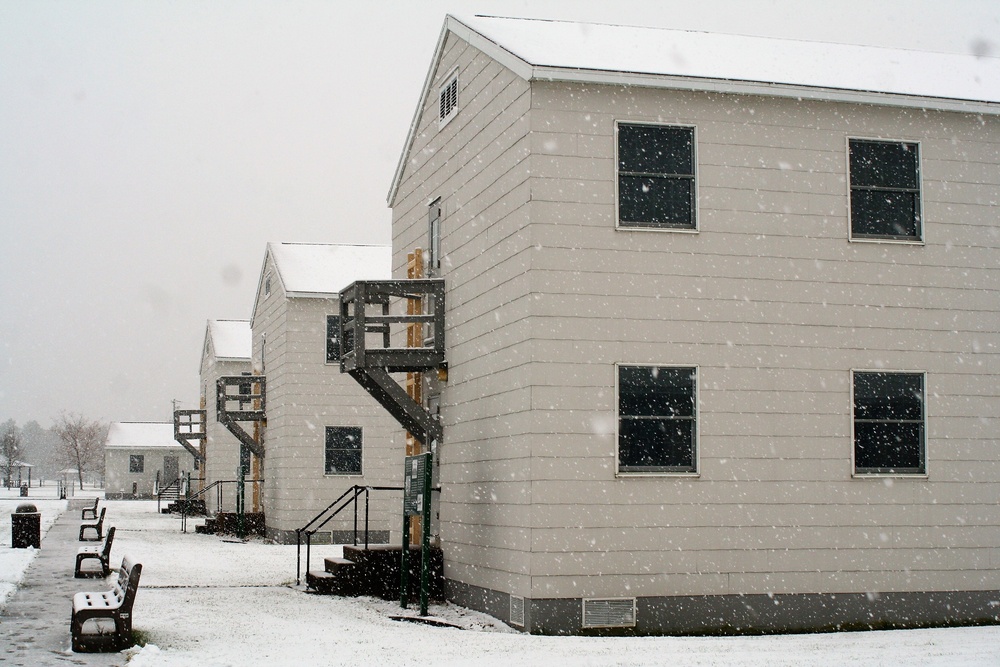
414	381
204	444
254	459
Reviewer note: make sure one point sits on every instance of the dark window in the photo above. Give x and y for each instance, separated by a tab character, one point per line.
434	236
656	419
333	339
136	463
343	450
885	190
656	176
888	422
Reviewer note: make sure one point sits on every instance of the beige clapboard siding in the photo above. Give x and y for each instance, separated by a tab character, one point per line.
305	394
221	447
483	212
770	300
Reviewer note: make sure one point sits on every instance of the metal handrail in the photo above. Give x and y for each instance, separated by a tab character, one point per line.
160	491
344	502
217	484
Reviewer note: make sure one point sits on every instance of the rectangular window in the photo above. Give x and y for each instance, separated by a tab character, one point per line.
136	463
889	423
656	183
434	236
885	190
656	419
333	339
343	450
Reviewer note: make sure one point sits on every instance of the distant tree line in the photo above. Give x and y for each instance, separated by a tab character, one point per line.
72	443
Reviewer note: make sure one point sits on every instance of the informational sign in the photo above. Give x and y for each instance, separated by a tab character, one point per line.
415	484
416	502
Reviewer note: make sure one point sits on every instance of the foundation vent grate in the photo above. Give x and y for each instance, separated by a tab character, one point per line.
517	610
609	613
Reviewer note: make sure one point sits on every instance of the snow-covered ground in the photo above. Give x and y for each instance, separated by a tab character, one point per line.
206	601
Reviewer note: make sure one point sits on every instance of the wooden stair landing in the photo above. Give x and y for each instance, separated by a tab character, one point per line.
375	571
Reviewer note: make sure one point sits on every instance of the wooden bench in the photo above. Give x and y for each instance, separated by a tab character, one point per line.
90	512
103	621
96	527
103	554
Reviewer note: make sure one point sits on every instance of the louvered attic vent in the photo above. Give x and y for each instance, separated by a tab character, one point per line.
517	610
609	613
448	101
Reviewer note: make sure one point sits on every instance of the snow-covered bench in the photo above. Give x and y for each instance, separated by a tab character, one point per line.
90	512
101	553
96	527
103	621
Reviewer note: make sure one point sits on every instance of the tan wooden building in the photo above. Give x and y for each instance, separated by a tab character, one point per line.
722	327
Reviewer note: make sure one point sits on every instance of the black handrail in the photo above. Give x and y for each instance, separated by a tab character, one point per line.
159	493
344	502
218	497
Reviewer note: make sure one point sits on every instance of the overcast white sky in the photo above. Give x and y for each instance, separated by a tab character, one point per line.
149	151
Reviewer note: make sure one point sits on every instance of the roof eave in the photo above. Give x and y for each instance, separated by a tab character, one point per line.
739	87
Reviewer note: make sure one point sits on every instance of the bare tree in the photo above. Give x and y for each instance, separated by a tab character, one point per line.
81	443
10	449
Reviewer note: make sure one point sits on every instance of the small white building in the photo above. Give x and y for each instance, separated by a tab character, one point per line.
139	454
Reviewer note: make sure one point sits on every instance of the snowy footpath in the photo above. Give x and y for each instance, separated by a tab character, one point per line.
207	601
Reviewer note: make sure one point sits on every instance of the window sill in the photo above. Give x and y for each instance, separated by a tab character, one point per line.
627	475
341	475
890	475
640	228
874	239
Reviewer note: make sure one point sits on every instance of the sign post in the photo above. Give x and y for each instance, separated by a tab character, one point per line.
416	502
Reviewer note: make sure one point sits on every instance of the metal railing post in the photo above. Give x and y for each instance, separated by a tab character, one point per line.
366	518
298	556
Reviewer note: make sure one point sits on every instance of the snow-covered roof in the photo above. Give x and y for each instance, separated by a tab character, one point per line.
546	49
141	434
549	50
322	270
231	339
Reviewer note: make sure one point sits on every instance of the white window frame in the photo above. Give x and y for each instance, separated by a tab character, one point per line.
922	240
697	180
895	475
326	346
449	81
696	458
433	264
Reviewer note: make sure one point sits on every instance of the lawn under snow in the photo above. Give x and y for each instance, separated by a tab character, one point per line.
206	601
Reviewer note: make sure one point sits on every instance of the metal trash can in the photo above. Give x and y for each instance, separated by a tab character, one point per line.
24	490
26	527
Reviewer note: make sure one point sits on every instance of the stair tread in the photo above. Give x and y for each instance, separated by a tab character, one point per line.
320	574
339	561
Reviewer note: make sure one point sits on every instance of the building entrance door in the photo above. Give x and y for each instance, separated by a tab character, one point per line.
171	469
